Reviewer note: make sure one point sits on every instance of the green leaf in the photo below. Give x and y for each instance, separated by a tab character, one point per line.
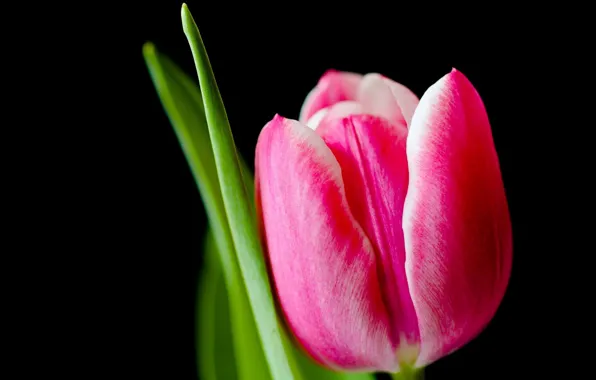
183	104
239	210
214	340
184	107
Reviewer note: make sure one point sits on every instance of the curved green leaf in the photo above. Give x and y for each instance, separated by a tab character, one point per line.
183	104
238	209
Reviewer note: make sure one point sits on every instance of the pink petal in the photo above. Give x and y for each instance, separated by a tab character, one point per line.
323	266
406	99
382	96
456	220
337	111
314	120
372	155
334	86
376	98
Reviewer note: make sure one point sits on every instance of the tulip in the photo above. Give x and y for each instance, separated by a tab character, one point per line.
384	220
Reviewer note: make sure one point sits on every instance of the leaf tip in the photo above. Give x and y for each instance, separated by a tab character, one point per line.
148	49
187	21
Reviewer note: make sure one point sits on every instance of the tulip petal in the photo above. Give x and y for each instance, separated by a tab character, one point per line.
334	86
456	219
376	97
372	155
384	97
323	266
407	100
314	120
337	111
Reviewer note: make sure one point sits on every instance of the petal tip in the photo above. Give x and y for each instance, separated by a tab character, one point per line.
451	81
329	73
375	76
276	121
457	76
277	118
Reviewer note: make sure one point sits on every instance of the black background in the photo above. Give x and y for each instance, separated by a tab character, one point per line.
147	215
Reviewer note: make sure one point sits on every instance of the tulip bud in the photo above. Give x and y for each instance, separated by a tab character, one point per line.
385	221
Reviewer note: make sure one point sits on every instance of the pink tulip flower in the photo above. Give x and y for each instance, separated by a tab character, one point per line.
384	220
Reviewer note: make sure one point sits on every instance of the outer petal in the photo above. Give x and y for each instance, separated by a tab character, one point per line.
334	86
372	154
323	266
456	219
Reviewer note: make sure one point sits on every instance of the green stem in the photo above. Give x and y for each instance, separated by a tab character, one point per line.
407	373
